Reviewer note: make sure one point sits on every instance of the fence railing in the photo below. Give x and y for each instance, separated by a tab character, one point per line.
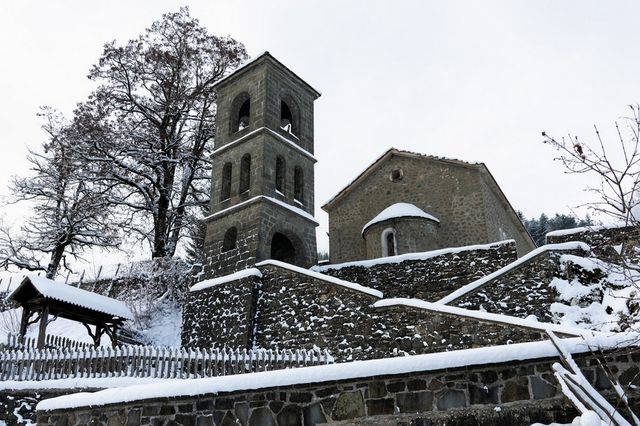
147	361
50	342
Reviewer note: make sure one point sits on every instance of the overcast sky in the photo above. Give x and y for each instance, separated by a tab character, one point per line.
474	80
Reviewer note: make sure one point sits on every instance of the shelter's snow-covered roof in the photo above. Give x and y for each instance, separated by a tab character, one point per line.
342	371
399	210
65	293
251	272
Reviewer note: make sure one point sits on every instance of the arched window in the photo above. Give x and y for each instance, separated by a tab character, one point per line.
230	237
289	114
280	174
389	242
240	112
225	185
298	184
245	173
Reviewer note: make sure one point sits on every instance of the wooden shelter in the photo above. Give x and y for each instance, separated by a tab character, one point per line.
42	298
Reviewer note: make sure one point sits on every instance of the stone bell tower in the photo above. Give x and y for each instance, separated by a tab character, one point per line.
262	185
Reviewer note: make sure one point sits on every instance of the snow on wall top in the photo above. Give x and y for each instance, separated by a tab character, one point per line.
289	207
594	228
65	293
332	372
572	245
251	272
289	142
399	210
323	277
410	256
485	316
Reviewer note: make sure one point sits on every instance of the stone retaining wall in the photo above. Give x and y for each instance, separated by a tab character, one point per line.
431	278
518	393
602	242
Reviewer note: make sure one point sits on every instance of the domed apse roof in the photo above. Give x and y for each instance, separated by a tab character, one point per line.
398	210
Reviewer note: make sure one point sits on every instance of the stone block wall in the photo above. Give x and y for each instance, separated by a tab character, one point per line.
523	291
517	393
603	240
221	315
432	278
288	310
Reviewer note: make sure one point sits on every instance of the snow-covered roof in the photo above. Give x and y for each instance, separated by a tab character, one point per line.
289	207
323	277
571	245
398	210
251	272
484	316
388	153
342	371
290	143
50	289
410	256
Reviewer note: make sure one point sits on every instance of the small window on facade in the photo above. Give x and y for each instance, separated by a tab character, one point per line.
245	173
389	243
286	117
280	174
225	185
396	175
230	237
298	184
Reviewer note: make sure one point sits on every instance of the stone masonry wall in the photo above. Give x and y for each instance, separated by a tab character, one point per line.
429	279
517	393
603	241
220	316
522	291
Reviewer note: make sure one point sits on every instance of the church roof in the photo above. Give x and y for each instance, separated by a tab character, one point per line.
399	210
389	153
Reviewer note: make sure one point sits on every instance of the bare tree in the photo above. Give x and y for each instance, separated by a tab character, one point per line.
617	166
70	214
150	124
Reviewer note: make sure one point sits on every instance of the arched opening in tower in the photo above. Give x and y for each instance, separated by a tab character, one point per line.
282	249
286	117
243	115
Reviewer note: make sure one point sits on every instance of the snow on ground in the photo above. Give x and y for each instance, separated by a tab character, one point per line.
350	370
165	327
399	210
410	256
590	418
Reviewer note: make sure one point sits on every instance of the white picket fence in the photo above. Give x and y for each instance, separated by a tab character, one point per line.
50	341
147	361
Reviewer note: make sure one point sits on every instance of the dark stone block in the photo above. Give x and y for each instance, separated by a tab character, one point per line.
276	406
415	402
451	399
313	415
291	415
133	418
204	405
377	390
262	417
630	376
542	389
488	377
514	392
483	394
218	416
186	419
150	410
205	421
435	384
417	384
167	409
185	408
224	404
602	381
380	406
300	397
508	373
395	387
321	393
242	412
349	405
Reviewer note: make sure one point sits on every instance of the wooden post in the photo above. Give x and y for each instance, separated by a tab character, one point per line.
24	323
44	317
